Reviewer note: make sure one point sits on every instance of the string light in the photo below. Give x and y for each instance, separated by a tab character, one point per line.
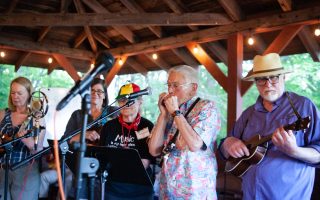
250	41
195	49
50	60
155	56
91	65
317	31
2	54
120	61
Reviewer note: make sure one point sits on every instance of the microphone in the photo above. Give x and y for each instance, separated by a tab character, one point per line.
134	95
36	106
104	62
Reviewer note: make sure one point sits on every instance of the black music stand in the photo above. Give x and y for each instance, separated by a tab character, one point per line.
114	166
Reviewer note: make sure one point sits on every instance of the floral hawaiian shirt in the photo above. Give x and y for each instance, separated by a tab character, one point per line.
192	175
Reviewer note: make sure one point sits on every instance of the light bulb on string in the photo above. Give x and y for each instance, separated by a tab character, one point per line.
120	61
250	41
317	31
195	49
2	54
154	56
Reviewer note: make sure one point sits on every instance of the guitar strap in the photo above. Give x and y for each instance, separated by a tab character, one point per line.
167	149
174	138
298	116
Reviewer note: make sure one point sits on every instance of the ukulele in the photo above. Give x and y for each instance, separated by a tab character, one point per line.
258	146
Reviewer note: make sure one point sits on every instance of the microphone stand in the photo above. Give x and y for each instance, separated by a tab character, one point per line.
63	141
8	148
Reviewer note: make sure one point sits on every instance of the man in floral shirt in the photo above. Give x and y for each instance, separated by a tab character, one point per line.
189	170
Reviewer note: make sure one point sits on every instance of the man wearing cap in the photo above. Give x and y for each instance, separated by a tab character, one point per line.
287	170
129	130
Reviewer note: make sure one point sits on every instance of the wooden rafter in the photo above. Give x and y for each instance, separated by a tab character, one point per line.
66	65
219	51
87	29
209	64
284	38
159	62
233	9
21	60
115	69
135	8
185	56
112	19
123	30
176	8
138	67
102	38
52	67
44	48
310	43
79	39
257	25
286	5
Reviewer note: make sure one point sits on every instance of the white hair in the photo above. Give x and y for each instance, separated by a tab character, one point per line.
189	73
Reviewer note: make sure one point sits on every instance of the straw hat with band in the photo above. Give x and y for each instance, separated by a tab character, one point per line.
266	65
127	89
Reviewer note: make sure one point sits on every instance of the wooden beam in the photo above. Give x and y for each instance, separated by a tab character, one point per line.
179	9
283	39
43	32
21	60
259	45
44	48
209	64
185	56
257	25
286	5
218	50
123	30
136	9
310	43
235	58
52	67
80	9
102	38
12	6
115	70
79	39
138	67
277	46
67	65
159	62
233	9
113	19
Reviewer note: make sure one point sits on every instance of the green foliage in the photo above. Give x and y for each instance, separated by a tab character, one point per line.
38	77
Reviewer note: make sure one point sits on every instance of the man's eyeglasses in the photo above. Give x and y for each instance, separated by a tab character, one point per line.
175	85
263	80
98	92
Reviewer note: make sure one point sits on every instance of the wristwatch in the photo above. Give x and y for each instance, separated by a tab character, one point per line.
176	113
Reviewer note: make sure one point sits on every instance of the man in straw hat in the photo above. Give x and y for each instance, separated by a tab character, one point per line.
287	169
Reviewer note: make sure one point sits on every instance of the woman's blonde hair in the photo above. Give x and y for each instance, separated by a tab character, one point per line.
25	83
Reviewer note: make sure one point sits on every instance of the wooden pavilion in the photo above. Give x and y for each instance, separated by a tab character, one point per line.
72	33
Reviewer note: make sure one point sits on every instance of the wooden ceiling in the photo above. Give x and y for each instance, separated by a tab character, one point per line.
73	32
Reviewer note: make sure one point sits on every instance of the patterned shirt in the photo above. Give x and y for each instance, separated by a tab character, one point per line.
19	151
192	175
